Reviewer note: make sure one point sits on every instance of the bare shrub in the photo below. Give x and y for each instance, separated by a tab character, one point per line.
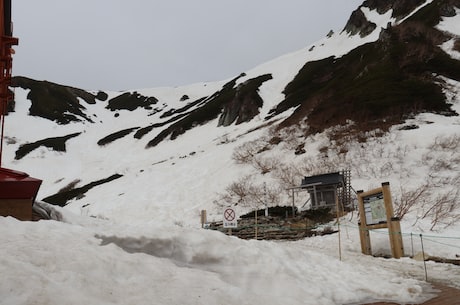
436	200
449	143
310	166
246	193
246	152
410	199
288	175
265	164
10	140
292	137
387	168
440	164
443	155
237	192
443	210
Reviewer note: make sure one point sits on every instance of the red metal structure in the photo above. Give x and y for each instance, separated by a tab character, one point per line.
17	189
6	61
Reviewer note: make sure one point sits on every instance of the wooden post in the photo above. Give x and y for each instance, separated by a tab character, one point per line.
338	221
365	238
315	196
394	226
364	235
387	200
203	218
256	225
397	248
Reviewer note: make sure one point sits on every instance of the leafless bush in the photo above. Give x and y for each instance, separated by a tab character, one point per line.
288	175
292	137
310	166
436	200
246	152
10	140
265	164
449	143
444	209
439	165
443	155
387	168
245	192
236	192
410	199
273	132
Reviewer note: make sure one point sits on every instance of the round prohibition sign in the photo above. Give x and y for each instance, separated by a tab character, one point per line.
229	214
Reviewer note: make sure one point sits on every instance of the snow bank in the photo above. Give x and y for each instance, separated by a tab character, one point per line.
51	262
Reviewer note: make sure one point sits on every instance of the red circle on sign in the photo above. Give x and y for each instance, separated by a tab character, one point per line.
229	214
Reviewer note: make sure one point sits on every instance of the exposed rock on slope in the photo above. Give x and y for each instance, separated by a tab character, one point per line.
238	105
378	84
375	85
131	101
57	102
56	144
406	70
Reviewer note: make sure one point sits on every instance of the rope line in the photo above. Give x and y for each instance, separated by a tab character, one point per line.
382	231
402	233
440	243
378	231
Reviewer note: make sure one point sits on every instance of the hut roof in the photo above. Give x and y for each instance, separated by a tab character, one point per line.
323	179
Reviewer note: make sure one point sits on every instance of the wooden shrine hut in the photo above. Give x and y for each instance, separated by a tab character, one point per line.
324	189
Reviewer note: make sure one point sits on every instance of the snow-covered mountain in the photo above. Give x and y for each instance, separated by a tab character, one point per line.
379	98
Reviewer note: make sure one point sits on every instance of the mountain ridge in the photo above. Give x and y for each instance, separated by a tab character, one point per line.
381	77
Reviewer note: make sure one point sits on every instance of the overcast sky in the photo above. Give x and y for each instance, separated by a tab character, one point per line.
120	44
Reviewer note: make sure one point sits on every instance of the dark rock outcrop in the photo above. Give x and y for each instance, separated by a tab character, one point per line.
56	102
62	198
131	101
245	104
115	136
378	84
358	24
233	104
56	144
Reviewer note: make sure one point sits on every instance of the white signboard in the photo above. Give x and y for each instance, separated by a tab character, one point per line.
230	218
374	208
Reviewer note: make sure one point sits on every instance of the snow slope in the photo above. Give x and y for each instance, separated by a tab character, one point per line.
137	240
